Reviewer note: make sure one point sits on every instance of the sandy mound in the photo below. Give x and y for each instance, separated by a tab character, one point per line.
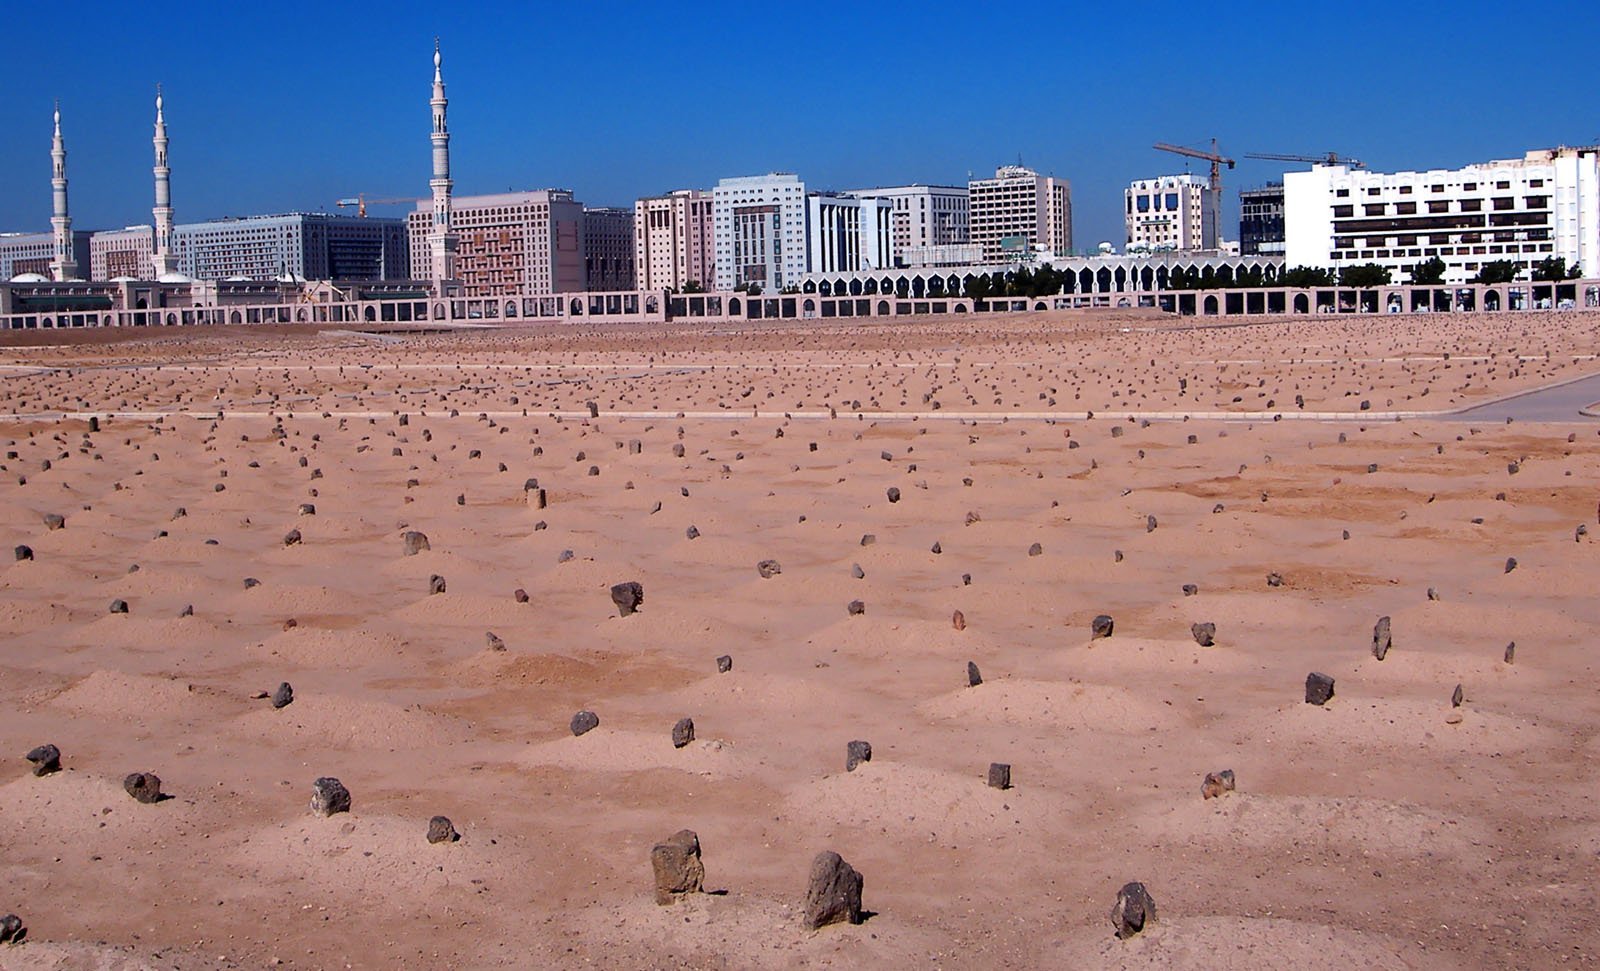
1243	944
464	609
69	807
350	722
1399	725
915	802
1119	654
158	582
37	955
316	647
614	750
135	632
284	600
1303	823
23	615
357	850
1060	704
135	696
747	690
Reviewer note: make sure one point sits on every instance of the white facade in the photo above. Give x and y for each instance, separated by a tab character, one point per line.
759	226
123	253
923	217
1169	213
1546	204
1019	212
847	235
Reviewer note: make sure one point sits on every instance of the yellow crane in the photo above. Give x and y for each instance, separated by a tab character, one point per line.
1215	186
1327	158
360	202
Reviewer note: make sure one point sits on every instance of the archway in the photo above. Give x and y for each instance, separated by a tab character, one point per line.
511	308
438	311
1086	280
1301	304
809	307
733	306
883	308
1491	300
371	315
172	319
1210	306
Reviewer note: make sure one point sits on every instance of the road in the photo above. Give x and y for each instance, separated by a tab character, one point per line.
1560	403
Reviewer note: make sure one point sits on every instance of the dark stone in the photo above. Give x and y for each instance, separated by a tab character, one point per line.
1134	909
54	520
291	538
308	509
966	579
958	620
584	721
329	796
1456	697
1190	589
677	450
894	494
564	556
1381	639
1433	594
94	423
1511	652
1511	563
1035	550
1101	626
856	753
867	539
1216	783
251	582
936	548
857	572
1274	579
594	409
692	533
627	596
119	606
973	677
283	697
834	893
187	611
768	569
999	775
12	930
724	664
519	595
677	866
1117	556
23	552
1149	524
1204	634
683	732
435	584
855	607
1319	688
46	759
415	542
442	830
143	786
493	641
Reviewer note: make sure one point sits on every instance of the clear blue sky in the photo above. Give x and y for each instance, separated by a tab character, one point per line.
285	106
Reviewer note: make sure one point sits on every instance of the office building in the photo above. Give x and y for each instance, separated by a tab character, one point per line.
608	249
32	254
1170	213
1546	204
508	244
123	253
1020	214
925	220
846	234
759	230
674	246
302	246
1261	220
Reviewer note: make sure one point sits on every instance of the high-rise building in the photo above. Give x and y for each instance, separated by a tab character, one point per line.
1020	212
1261	220
1170	212
164	267
307	246
440	240
608	248
509	244
846	234
674	246
123	253
759	227
32	255
1546	204
64	265
924	219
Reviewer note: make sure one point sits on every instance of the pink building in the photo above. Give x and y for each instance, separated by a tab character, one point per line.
673	245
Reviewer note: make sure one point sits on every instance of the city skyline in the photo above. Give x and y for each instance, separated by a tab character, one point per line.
336	116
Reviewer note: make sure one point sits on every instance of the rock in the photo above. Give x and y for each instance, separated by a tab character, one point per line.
308	509
1274	579
894	494
1190	589
11	929
415	542
119	606
283	697
143	786
564	556
1454	718
683	732
584	721
973	677
1204	634
856	753
958	620
329	796
1319	688
1511	563
1133	910
724	664
23	552
857	572
677	450
519	595
692	533
635	447
999	775
768	569
855	607
493	641
1036	550
594	409
627	596
1433	594
1101	626
54	521
46	759
1511	652
1381	640
1216	783
291	538
1456	697
435	584
834	893
867	539
677	866
1149	524
442	830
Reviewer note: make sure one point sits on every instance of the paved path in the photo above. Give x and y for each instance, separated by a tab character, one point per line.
1560	403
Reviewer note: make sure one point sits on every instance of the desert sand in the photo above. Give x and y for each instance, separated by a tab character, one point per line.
246	494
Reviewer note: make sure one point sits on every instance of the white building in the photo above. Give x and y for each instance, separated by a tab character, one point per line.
1020	212
846	234
923	217
123	253
1169	213
506	244
759	225
1546	204
673	245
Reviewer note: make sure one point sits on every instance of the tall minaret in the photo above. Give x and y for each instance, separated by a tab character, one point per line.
63	267
441	238
161	260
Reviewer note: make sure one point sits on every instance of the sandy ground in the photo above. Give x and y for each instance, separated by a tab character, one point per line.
1386	829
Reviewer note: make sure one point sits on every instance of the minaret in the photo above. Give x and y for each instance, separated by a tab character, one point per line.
63	267
161	260
441	238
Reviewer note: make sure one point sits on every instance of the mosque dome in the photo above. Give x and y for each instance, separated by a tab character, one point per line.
173	277
30	278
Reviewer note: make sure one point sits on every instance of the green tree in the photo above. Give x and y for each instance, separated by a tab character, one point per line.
978	287
1497	271
1554	268
1306	277
1429	273
693	286
1365	275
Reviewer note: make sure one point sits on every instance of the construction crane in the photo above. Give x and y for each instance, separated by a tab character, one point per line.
1215	187
1328	158
361	200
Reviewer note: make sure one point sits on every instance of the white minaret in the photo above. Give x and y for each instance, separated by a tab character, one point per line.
162	258
441	239
63	267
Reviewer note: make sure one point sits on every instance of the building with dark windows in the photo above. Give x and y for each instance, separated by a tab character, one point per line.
1261	220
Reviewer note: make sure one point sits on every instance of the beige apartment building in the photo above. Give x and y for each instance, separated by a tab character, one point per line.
1019	212
123	253
673	242
509	244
